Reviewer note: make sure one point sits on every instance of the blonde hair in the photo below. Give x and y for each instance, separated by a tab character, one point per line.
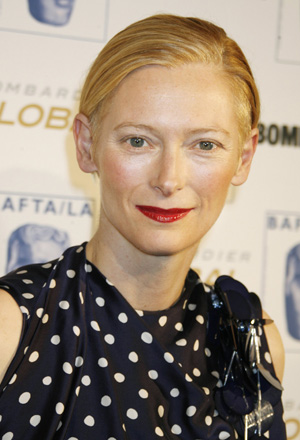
170	41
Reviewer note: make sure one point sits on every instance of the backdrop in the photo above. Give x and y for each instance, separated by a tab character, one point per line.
47	204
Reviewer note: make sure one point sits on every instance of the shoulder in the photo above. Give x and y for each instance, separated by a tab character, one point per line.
275	346
11	321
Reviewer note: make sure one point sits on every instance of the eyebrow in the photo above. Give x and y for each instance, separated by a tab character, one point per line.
190	132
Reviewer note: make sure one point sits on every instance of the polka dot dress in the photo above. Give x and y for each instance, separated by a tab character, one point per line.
91	367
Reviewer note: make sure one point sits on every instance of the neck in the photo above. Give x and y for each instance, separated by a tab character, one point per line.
148	282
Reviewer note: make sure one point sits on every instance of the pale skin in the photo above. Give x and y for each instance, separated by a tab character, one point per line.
169	138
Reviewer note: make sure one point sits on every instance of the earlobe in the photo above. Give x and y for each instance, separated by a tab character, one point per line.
83	140
246	157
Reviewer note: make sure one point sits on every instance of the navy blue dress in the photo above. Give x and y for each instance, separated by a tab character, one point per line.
91	367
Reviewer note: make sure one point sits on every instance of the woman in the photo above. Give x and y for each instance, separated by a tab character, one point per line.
119	338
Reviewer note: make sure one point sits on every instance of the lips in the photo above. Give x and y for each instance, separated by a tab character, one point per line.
163	215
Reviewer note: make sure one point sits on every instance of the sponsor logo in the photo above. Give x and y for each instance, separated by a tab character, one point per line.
72	19
279	135
281	283
37	227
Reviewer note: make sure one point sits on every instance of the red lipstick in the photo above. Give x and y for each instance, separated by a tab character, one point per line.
163	215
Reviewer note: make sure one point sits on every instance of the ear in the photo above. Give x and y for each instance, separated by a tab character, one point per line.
83	140
246	157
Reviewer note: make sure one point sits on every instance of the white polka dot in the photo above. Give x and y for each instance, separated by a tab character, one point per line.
140	312
67	367
192	307
207	352
78	361
95	326
200	319
153	374
59	408
71	273
123	318
224	435
24	310
39	312
102	362
215	374
191	411
176	429
47	266
24	398
179	327
268	357
76	330
196	372
100	301
72	438
159	432
109	339
161	411
64	305
77	391
162	321
8	436
88	268
20	272
28	295
174	392
132	414
169	358
27	281
206	390
80	249
89	421
143	394
188	378
35	420
52	284
106	401
181	342
55	340
34	356
208	420
47	380
86	380
133	357
45	318
147	337
81	297
13	379
119	377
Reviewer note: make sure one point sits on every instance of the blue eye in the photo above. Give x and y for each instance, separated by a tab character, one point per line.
206	145
137	142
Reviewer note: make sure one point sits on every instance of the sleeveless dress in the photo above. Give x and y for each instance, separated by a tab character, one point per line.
90	367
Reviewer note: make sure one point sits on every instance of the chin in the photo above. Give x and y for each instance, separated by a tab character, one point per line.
161	249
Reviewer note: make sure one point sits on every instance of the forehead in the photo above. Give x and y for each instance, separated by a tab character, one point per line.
187	94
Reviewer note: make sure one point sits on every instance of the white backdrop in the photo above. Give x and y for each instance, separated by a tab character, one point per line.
44	194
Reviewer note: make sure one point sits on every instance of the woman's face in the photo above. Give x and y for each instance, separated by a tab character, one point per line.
167	152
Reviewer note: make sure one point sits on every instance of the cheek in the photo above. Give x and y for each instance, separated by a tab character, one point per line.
119	175
213	182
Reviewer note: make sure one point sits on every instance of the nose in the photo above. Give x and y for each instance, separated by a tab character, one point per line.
169	173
